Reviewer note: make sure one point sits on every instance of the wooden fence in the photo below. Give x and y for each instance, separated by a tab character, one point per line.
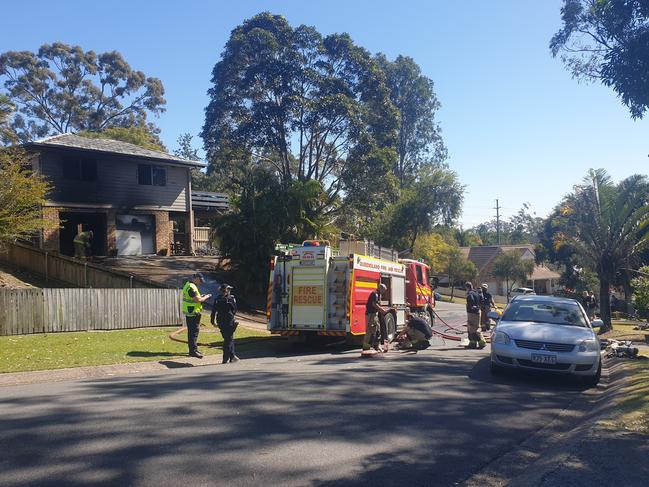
202	237
24	311
68	270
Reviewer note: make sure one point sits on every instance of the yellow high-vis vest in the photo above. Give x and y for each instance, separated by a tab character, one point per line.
191	307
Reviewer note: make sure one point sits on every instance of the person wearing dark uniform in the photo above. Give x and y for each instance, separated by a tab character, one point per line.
223	312
373	307
476	340
192	307
485	307
416	335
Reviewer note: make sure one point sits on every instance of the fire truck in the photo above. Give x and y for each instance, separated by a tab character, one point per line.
315	290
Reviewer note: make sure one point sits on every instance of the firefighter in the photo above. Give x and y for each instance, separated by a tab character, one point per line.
192	307
82	244
223	311
416	335
486	303
373	307
476	340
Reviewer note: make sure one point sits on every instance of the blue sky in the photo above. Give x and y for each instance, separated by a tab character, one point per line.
517	127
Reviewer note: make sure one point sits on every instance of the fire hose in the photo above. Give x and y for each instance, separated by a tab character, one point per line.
444	335
449	327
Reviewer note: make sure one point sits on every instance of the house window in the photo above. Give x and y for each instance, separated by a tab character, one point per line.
151	175
78	169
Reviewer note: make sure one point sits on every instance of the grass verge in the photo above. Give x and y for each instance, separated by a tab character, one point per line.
623	330
79	349
633	405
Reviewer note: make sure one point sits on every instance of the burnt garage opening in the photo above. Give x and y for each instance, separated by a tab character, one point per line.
70	222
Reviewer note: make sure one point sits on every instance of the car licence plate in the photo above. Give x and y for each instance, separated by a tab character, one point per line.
540	358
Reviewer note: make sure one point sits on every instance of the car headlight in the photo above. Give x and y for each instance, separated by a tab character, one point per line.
589	346
502	338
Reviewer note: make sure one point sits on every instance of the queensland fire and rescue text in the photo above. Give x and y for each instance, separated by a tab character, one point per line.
312	289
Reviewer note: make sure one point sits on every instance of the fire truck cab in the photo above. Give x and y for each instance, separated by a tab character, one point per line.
314	289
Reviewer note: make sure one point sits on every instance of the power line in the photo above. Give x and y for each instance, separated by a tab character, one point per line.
497	208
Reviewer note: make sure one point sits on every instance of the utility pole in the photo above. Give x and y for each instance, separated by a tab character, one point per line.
497	208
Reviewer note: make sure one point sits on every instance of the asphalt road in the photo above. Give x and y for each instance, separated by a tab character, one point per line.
322	419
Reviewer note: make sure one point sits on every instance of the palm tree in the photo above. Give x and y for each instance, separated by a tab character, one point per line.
606	224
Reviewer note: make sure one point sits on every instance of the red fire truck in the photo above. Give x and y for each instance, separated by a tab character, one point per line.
315	290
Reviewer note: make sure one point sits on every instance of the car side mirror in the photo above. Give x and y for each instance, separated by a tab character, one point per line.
597	323
492	315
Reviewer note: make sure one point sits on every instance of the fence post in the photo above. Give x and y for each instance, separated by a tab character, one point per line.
46	273
130	281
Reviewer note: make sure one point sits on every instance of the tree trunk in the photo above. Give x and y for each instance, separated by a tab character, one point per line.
452	292
605	304
626	284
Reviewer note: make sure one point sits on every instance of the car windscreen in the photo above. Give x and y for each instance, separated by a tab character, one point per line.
555	313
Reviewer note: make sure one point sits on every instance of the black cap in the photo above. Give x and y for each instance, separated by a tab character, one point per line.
198	275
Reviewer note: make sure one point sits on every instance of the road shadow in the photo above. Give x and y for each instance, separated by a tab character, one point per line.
171	364
532	378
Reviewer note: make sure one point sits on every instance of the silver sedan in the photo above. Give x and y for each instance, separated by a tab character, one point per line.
547	333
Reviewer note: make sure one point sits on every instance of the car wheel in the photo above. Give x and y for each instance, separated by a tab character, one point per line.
593	380
390	326
495	369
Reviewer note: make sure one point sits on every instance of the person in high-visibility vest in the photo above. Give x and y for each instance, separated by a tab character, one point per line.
192	307
82	244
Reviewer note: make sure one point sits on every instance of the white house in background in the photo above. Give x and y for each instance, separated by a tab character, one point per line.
543	279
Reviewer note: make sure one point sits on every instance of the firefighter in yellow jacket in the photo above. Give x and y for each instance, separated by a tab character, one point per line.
82	244
192	307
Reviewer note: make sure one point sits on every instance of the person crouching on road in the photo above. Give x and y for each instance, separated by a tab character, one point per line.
486	305
416	335
373	307
192	307
476	340
224	310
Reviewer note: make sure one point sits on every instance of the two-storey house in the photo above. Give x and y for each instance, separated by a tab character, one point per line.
135	200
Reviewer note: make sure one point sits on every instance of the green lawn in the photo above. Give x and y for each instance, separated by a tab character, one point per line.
61	350
623	330
633	403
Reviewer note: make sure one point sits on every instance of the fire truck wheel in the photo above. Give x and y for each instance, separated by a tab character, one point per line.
390	326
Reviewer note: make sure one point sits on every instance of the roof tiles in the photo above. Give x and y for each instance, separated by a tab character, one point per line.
110	146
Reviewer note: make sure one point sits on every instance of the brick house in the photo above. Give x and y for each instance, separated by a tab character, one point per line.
133	199
543	280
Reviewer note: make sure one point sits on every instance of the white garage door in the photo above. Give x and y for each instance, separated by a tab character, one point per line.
134	234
